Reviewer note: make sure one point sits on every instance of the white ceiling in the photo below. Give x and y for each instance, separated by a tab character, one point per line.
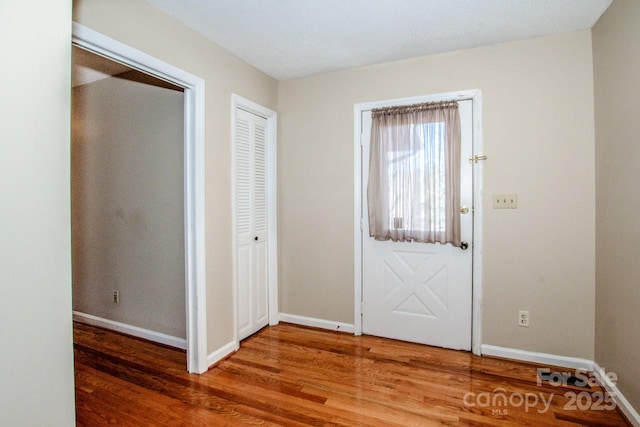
296	38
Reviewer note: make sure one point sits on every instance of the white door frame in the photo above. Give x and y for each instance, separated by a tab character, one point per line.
271	116
358	109
195	273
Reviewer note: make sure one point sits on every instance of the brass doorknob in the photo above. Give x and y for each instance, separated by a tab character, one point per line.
464	210
464	246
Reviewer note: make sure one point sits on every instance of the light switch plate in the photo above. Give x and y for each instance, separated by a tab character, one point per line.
505	201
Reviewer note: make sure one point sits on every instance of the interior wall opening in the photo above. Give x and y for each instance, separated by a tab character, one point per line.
128	201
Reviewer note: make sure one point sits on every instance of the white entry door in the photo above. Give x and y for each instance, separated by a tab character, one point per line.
420	292
251	222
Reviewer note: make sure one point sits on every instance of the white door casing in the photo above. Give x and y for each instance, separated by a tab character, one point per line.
195	271
420	292
254	189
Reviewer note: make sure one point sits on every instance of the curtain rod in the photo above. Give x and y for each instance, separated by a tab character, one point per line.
468	98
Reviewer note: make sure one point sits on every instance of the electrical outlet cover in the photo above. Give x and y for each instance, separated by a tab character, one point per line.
523	318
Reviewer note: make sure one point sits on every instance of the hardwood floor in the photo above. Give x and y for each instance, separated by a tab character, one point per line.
296	376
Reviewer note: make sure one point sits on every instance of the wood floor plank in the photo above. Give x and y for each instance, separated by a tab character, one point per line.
289	375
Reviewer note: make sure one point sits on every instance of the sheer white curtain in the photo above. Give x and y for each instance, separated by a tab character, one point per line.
414	173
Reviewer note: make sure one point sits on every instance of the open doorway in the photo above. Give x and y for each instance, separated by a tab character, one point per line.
127	193
149	73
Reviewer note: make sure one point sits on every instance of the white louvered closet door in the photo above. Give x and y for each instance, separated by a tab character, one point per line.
251	223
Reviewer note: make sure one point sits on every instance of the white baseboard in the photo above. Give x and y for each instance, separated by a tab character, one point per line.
568	362
622	403
135	331
535	357
221	353
317	323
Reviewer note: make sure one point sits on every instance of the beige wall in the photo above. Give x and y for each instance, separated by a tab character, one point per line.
36	377
616	48
140	25
539	137
127	204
